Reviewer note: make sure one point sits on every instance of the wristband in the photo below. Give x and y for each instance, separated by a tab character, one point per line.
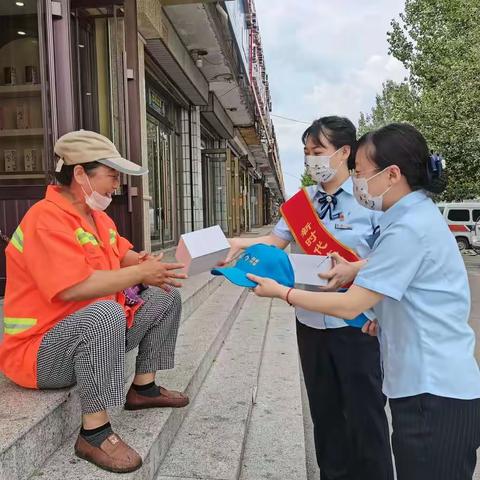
286	298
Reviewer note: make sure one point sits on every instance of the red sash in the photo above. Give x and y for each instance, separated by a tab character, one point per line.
309	231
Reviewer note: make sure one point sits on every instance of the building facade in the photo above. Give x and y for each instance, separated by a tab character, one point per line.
179	86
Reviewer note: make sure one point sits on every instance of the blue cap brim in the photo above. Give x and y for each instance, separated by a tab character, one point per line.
357	322
235	275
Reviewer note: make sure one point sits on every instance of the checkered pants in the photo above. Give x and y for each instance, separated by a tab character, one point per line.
88	347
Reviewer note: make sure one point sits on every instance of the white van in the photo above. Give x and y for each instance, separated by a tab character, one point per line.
476	238
461	218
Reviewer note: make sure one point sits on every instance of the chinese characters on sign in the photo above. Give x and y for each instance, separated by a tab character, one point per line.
310	237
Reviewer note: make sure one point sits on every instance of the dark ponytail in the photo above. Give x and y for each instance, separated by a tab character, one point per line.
339	131
403	145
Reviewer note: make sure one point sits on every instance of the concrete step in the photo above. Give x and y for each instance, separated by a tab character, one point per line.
210	443
151	432
275	445
33	424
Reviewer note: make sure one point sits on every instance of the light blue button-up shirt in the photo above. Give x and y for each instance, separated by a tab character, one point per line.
354	228
426	343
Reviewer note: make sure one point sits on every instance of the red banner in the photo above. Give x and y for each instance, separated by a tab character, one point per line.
309	231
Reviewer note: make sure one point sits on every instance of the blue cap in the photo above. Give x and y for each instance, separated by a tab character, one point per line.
262	260
357	322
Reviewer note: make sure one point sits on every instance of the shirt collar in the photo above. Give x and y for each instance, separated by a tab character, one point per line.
53	195
347	187
400	208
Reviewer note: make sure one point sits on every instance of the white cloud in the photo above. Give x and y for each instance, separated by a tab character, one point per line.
355	91
324	58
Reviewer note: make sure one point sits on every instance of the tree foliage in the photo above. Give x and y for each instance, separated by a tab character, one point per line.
438	42
306	180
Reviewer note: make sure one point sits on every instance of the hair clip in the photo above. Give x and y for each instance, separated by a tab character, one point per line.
434	166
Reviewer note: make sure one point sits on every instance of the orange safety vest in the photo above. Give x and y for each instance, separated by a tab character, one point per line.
52	250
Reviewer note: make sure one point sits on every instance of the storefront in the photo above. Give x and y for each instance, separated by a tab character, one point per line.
221	188
63	66
163	147
25	141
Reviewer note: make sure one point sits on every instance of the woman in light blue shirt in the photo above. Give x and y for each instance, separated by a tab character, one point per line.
416	282
341	366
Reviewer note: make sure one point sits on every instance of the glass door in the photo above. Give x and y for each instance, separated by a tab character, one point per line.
221	190
215	198
235	196
160	181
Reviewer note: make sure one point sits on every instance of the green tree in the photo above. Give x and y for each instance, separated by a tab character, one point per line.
396	103
306	180
438	41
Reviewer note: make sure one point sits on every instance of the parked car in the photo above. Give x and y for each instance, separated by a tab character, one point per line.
461	218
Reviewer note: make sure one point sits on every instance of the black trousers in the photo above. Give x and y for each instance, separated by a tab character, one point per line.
435	438
343	378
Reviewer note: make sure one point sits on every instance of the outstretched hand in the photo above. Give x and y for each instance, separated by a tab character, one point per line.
342	273
160	274
370	328
266	287
234	252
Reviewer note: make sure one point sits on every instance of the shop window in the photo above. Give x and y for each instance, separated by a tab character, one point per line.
22	94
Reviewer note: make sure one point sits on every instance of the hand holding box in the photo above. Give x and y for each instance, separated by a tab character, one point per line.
202	250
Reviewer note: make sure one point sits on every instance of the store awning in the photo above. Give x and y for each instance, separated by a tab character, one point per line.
187	76
217	117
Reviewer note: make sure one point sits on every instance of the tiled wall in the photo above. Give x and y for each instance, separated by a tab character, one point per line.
143	127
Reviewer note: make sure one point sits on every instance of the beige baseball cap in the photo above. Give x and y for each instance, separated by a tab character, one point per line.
83	146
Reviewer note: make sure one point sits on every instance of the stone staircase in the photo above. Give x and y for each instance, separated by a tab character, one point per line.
236	359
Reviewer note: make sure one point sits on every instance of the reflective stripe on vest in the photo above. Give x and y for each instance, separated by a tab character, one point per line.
17	239
85	237
113	236
14	325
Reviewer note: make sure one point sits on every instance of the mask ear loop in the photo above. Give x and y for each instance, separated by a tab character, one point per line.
389	188
90	185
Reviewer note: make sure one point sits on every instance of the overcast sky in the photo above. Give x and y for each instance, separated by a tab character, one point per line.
323	58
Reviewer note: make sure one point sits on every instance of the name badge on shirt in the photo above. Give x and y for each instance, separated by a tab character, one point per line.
342	226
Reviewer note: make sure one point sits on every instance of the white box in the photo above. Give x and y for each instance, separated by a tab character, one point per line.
202	250
307	268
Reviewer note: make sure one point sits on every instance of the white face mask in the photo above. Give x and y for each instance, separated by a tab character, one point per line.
363	197
95	200
318	167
